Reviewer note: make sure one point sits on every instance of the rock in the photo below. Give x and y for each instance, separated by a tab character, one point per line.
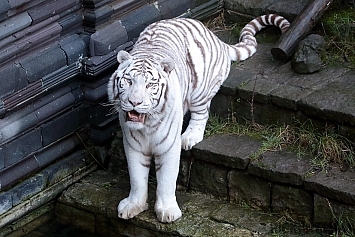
92	206
308	54
288	8
246	189
281	166
229	150
209	178
293	202
334	184
328	211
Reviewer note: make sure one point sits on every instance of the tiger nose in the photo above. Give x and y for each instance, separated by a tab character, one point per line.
135	103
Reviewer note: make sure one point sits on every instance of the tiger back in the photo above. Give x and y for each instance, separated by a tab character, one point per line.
176	65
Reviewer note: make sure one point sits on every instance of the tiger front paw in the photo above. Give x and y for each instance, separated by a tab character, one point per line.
191	137
169	214
128	210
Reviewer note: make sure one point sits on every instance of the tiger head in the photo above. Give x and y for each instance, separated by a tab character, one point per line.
137	88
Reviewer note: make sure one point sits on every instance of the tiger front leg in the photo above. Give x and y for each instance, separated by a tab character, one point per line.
194	131
136	202
167	169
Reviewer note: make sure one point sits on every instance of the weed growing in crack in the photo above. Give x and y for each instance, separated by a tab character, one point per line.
344	224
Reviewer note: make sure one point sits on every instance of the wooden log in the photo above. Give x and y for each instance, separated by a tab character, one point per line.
299	28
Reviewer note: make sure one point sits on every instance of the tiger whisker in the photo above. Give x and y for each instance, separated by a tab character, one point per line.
111	103
153	115
113	111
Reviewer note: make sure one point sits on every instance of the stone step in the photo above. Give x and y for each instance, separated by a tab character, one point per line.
278	95
280	181
92	203
225	167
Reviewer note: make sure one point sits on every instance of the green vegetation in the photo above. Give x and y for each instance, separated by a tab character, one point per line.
344	225
324	148
338	25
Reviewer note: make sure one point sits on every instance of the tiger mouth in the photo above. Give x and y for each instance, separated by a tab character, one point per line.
134	116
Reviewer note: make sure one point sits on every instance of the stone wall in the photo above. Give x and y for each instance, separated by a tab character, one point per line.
277	182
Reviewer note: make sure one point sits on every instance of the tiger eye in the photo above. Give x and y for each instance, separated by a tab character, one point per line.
129	81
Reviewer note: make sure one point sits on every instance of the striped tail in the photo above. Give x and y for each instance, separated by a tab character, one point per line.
247	42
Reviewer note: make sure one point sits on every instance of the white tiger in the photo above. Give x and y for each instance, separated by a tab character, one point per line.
176	66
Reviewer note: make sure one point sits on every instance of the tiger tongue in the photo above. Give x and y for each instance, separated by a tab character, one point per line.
134	116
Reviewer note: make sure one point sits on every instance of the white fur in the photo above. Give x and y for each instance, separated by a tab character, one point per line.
163	79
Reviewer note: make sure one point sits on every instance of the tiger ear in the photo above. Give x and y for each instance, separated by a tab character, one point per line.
167	64
123	56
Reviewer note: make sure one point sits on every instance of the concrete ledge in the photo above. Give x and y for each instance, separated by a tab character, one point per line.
203	215
279	182
281	96
36	200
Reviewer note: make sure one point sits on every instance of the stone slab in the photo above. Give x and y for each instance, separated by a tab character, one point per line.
44	62
101	136
258	89
63	125
16	3
121	8
52	8
108	38
54	104
97	114
204	9
71	22
93	16
64	167
326	209
250	190
17	171
5	202
280	167
256	7
9	53
2	158
202	215
334	102
35	27
9	86
106	191
96	95
4	7
22	147
292	201
14	24
333	184
14	128
170	9
228	150
209	178
137	20
28	188
74	48
95	3
56	150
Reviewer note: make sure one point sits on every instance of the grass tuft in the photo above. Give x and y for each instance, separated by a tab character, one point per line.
324	148
339	31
